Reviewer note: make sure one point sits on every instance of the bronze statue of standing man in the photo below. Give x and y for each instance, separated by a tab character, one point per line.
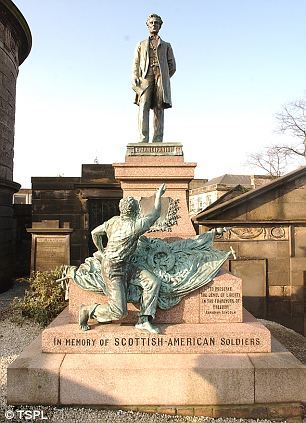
153	66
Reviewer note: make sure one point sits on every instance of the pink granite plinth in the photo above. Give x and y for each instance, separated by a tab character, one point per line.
219	301
34	377
140	176
172	380
65	337
152	379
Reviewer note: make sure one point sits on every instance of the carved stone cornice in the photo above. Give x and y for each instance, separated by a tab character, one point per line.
11	16
256	233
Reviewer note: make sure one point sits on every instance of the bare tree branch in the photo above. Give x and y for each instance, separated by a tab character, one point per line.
273	160
292	121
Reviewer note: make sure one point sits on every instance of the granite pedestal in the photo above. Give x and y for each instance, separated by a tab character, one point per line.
185	338
190	368
218	302
147	166
209	320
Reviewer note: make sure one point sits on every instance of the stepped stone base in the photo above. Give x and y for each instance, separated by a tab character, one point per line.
191	368
159	382
64	337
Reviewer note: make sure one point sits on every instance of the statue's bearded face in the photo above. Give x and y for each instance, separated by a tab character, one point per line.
128	207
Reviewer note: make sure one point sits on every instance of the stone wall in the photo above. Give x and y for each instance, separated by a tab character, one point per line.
71	199
268	233
15	45
56	199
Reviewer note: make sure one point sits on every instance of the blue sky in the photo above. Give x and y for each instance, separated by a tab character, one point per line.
238	61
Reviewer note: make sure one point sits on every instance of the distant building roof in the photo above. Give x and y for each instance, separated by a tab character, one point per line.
228	195
228	179
218	208
197	183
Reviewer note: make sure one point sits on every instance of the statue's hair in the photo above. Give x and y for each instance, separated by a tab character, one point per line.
128	206
154	15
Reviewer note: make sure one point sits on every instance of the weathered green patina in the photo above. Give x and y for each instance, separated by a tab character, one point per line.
149	271
181	267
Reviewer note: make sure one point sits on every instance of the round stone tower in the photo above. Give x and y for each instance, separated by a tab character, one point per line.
15	45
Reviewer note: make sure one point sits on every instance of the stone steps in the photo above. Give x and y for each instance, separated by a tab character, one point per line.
190	380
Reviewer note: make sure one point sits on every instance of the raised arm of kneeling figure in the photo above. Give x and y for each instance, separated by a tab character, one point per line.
157	204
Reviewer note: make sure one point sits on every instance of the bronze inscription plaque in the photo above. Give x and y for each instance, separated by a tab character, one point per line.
50	251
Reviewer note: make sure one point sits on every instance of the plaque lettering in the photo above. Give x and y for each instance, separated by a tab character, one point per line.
220	302
148	150
50	251
157	343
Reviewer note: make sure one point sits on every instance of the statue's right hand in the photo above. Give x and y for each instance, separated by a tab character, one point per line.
161	190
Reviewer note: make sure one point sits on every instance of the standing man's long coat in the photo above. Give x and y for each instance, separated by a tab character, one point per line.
141	65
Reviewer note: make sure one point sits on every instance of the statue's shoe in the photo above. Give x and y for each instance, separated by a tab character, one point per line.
87	312
148	327
84	315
